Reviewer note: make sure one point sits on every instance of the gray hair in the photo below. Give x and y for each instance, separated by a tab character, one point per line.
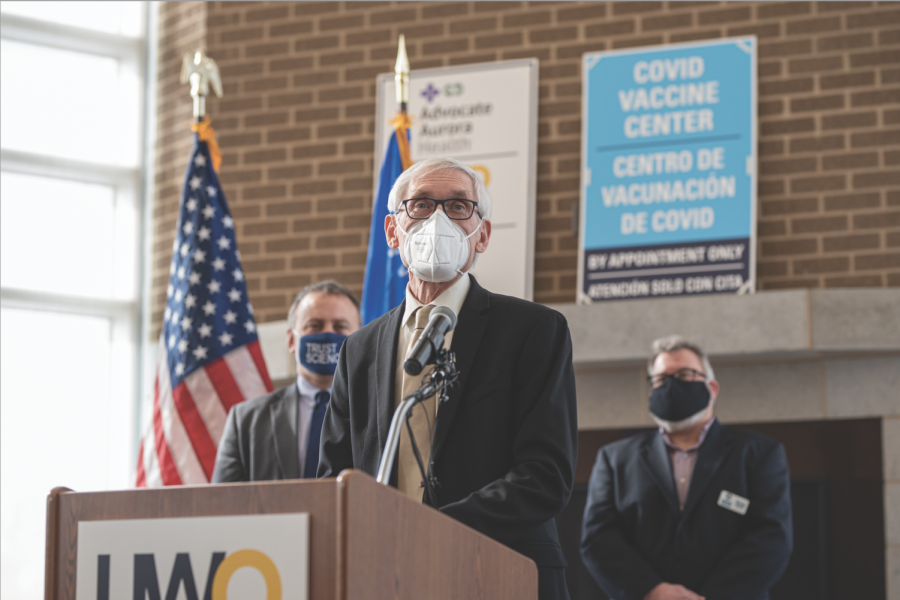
329	286
674	343
424	167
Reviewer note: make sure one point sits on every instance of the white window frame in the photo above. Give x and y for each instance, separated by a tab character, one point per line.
133	187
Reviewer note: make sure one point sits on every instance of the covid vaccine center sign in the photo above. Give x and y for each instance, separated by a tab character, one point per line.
668	200
258	557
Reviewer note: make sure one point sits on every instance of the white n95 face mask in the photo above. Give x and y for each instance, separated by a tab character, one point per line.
435	249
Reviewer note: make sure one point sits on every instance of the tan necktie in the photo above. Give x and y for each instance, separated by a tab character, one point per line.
409	478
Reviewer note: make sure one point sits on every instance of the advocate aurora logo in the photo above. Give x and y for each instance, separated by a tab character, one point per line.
450	90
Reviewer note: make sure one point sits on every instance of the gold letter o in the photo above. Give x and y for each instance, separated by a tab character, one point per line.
247	558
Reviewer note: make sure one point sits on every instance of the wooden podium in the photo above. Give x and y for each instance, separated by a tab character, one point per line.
366	540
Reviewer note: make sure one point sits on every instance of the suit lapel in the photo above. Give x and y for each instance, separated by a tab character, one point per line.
710	456
655	459
385	368
466	340
284	415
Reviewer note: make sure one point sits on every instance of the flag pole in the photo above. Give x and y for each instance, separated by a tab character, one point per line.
401	76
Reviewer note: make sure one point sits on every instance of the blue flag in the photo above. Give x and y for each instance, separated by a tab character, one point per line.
384	286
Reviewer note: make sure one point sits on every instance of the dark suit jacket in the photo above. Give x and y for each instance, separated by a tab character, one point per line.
635	537
260	439
505	442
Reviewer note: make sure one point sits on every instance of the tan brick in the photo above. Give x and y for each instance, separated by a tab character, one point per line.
888	38
819	224
844	42
853	201
446	46
892	239
876	179
790	206
293	207
818	184
556	34
363	38
485	42
849	120
268	49
585	12
891	117
468	26
443	10
760	30
612	28
770	148
768	69
878	97
312	188
854	281
849	243
868	59
815	266
390	17
771	228
665	22
770	10
850	161
294	99
318	43
770	188
829	82
265	228
726	15
290	64
233	36
832	5
264	192
266	118
638	42
875	138
782	49
772	269
316	114
345	240
525	19
786	86
315	224
878	220
345	22
818	25
314	151
292	29
788	126
817	103
786	166
691	36
313	261
628	8
343	93
812	65
789	247
292	172
341	205
265	156
295	134
874	18
289	244
883	260
338	130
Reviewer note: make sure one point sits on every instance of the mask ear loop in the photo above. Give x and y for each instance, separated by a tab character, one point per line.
480	221
399	245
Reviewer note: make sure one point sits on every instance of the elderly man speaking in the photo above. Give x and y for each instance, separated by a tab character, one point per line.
503	447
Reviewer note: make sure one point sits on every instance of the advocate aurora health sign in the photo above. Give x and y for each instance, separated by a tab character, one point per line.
668	198
484	115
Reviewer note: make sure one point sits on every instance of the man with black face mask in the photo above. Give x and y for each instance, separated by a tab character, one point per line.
277	436
694	510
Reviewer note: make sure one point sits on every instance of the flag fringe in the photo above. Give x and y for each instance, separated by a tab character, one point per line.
207	134
402	123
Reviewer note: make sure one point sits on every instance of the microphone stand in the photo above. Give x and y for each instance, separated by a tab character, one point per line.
440	379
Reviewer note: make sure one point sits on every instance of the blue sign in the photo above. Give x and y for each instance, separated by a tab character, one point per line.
668	198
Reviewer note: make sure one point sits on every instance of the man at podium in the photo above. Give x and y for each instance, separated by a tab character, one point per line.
501	450
277	436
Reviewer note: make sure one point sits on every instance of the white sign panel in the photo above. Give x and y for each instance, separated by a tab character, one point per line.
216	558
484	115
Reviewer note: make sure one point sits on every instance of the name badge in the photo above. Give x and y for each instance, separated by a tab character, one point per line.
733	502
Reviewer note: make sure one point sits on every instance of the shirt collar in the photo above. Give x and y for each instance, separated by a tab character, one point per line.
665	437
308	390
453	298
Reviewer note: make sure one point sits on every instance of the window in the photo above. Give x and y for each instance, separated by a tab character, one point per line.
73	118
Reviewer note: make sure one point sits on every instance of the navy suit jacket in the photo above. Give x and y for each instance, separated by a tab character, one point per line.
634	535
505	442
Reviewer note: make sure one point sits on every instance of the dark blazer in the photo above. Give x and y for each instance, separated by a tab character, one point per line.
635	537
260	439
505	442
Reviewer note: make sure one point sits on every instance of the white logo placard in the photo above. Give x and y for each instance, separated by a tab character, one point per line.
213	558
733	502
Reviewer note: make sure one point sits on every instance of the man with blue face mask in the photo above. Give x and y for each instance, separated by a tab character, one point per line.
694	510
277	436
500	452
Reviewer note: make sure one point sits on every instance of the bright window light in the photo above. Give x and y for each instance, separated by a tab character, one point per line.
64	228
122	18
68	104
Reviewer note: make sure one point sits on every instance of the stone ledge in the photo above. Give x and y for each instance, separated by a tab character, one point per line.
763	325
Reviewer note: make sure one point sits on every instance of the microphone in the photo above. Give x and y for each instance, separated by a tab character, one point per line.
441	321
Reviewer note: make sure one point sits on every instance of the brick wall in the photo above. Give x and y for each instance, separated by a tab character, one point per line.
182	28
297	126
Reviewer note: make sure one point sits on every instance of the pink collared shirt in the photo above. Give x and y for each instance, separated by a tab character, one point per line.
683	462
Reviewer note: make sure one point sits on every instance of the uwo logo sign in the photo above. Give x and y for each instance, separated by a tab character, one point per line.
208	558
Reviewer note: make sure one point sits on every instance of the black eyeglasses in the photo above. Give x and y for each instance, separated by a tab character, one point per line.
457	209
685	374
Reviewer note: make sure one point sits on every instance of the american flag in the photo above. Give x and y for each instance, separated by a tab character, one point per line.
209	357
